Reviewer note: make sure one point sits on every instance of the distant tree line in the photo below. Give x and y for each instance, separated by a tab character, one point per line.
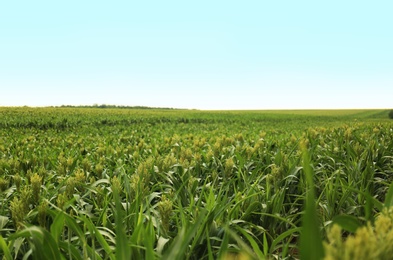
119	107
391	114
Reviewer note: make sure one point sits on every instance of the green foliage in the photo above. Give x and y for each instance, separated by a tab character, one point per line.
347	222
310	239
94	183
368	242
391	114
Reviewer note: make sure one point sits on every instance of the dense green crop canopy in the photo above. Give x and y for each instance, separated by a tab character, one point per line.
109	183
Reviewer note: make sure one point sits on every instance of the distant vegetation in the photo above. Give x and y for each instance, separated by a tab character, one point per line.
93	183
391	114
116	106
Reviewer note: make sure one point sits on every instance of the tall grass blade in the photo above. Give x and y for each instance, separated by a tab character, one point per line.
57	226
123	251
389	197
255	248
372	201
348	223
149	239
3	222
95	233
224	246
73	226
311	247
45	246
74	253
282	236
180	244
5	249
209	245
265	245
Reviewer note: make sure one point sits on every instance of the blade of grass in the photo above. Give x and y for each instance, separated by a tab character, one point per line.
265	245
283	236
389	197
97	234
348	223
123	251
181	242
310	238
57	226
379	205
209	246
45	246
74	253
253	243
149	239
224	246
243	246
74	227
137	235
5	249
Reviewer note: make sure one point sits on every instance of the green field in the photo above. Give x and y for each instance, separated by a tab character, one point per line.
94	183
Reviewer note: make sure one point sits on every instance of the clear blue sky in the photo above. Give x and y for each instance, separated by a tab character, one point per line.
197	54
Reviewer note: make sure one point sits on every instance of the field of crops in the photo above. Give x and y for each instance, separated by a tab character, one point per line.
91	183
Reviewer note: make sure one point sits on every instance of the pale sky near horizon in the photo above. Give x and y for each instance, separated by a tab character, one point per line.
197	54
